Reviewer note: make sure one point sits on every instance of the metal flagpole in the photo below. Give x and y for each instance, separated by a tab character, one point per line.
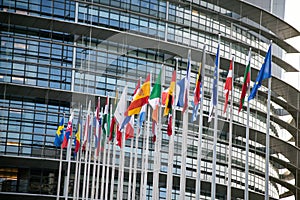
230	136
69	147
99	156
59	171
108	162
89	160
75	178
104	163
113	159
213	184
171	142
200	130
130	169
158	145
268	136
79	174
135	167
146	152
246	194
143	160
185	134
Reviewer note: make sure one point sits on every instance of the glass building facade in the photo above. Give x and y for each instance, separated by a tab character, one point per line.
57	55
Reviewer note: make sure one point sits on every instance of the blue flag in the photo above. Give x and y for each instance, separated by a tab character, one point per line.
59	136
264	73
181	85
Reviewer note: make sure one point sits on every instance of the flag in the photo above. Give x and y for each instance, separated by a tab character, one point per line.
77	139
155	96
142	117
228	85
112	129
105	123
169	128
213	101
169	98
59	134
180	92
246	81
197	93
68	132
129	130
119	115
128	118
264	73
140	99
86	127
97	120
187	83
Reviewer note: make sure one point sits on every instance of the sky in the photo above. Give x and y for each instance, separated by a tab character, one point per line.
292	16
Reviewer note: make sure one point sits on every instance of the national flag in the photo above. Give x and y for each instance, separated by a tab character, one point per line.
154	99
128	118
129	130
119	115
197	93
170	95
142	117
246	82
121	107
228	85
98	128
180	86
187	83
113	123
264	73
140	99
68	132
213	101
86	127
77	139
59	136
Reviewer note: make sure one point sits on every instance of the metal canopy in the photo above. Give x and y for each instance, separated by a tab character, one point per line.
249	11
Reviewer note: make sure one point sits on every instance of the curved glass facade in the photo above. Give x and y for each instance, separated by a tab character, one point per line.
57	55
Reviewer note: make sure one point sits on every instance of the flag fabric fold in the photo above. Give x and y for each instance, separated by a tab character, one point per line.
187	83
180	92
246	82
105	123
169	97
68	132
77	139
119	115
142	118
140	99
59	136
86	128
228	85
264	73
213	100
197	94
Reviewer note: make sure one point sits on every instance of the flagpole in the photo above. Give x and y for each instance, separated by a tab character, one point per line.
230	135
98	157
143	160
108	161
59	170
95	147
185	132
89	160
246	194
69	147
171	142
59	173
86	143
200	128
146	152
113	156
135	166
75	178
268	135
213	184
